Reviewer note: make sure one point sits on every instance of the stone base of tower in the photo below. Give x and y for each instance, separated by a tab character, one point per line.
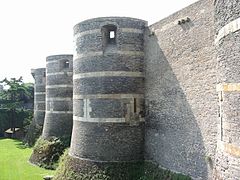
73	168
77	169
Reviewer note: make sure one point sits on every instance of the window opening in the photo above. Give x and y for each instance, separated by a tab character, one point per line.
112	34
109	35
66	64
135	105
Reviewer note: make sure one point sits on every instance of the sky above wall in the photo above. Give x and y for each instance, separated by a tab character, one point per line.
30	30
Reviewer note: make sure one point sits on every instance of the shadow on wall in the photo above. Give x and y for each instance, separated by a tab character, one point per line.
172	136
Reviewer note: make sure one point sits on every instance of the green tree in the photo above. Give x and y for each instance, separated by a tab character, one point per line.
13	97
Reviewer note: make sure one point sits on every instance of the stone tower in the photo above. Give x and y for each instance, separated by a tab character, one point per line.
227	24
108	90
39	76
58	119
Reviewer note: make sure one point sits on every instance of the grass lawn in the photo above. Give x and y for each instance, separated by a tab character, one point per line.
14	163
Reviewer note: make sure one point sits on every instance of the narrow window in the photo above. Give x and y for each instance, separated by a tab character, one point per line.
66	64
135	105
44	74
109	35
112	34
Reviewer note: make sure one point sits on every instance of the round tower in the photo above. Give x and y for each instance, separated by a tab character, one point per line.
108	90
58	118
227	24
39	76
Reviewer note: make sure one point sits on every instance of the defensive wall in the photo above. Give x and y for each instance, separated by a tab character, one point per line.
166	93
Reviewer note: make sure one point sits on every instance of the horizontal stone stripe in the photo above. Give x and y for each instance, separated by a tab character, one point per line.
100	53
231	27
104	120
59	86
39	110
60	73
99	120
228	87
108	96
57	61
108	74
52	61
59	99
98	31
96	161
83	33
229	148
60	112
40	102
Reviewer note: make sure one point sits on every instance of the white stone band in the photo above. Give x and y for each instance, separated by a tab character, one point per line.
39	93
59	112
108	96
60	73
63	59
228	87
100	53
39	110
103	120
52	61
59	99
108	74
229	148
40	102
227	29
59	86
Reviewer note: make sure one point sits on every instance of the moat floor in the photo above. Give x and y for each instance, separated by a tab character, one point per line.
14	163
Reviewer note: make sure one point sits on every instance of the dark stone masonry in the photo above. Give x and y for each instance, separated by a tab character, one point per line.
58	118
108	90
168	93
39	76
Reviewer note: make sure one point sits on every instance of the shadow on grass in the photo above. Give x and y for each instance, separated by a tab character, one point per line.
21	145
18	143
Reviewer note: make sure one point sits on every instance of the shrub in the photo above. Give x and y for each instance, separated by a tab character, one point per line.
46	152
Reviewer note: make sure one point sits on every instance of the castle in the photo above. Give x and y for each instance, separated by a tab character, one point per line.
168	92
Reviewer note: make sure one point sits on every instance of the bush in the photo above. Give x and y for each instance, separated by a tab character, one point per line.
33	133
46	152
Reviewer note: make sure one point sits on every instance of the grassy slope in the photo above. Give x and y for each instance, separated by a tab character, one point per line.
14	163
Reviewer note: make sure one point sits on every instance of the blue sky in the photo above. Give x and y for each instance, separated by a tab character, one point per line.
30	30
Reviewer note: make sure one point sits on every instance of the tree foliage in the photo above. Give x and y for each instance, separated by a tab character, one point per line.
15	94
13	98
